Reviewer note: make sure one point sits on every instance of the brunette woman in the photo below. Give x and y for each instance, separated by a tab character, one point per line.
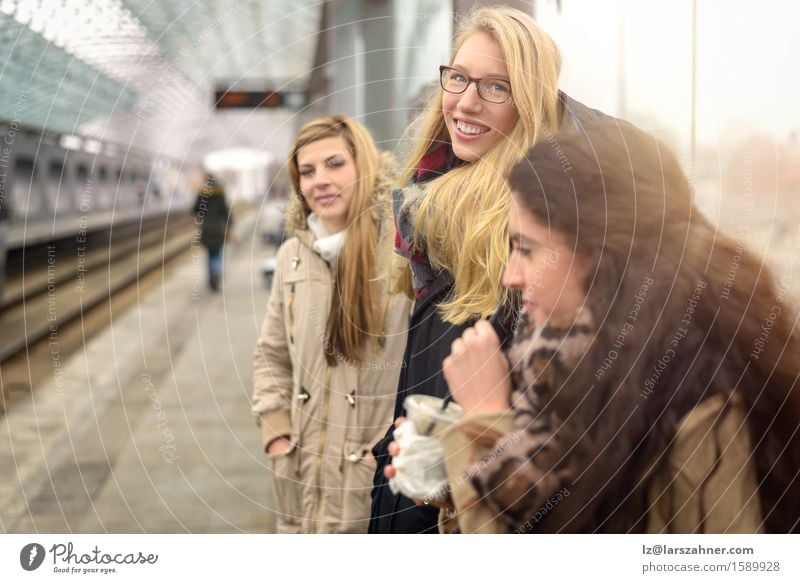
650	392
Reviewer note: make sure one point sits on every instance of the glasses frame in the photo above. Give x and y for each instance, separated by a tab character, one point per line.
470	80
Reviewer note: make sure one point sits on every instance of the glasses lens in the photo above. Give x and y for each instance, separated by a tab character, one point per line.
494	91
453	81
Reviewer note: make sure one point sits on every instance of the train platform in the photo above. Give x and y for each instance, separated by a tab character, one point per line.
148	429
23	232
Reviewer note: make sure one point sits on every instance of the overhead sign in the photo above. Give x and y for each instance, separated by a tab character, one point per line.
224	99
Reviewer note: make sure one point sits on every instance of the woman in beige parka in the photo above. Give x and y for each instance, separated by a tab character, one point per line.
331	345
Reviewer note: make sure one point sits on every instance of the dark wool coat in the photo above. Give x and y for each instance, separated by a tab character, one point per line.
213	216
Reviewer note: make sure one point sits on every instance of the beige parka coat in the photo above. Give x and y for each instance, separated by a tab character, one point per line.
331	415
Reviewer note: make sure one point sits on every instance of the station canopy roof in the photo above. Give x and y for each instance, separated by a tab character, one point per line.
117	69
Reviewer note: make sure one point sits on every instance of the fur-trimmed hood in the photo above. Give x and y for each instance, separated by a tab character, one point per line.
296	213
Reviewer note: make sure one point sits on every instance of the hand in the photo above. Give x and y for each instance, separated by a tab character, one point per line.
477	371
278	446
394	450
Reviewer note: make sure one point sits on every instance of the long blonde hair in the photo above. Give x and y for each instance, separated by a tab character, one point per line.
356	314
464	214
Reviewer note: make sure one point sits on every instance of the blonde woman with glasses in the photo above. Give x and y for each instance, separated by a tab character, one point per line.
499	96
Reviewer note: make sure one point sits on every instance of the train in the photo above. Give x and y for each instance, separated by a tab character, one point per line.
55	186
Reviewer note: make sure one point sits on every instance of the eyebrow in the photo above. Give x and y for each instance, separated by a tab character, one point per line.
521	238
497	76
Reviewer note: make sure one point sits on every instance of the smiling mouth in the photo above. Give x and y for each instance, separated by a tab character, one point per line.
469	129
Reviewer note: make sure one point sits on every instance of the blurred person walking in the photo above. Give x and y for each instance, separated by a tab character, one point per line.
216	221
4	228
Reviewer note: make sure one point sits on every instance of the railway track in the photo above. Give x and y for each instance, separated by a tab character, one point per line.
66	293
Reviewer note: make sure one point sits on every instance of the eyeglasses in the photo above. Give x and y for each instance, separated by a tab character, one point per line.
491	90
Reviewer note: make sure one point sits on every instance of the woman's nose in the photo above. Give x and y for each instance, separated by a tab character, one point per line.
512	278
470	101
321	178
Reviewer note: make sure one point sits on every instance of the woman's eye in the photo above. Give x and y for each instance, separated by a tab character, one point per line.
337	163
496	89
306	173
456	78
521	249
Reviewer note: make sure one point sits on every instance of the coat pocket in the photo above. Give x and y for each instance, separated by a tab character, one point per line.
286	490
358	469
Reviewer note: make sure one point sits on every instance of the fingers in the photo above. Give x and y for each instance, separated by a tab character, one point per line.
481	335
460	344
278	446
469	334
394	450
486	332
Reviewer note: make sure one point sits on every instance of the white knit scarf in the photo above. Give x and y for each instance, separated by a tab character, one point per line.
327	245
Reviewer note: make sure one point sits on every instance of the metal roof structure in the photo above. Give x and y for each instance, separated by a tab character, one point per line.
143	73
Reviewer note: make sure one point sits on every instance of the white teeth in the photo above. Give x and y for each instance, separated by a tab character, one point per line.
471	130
